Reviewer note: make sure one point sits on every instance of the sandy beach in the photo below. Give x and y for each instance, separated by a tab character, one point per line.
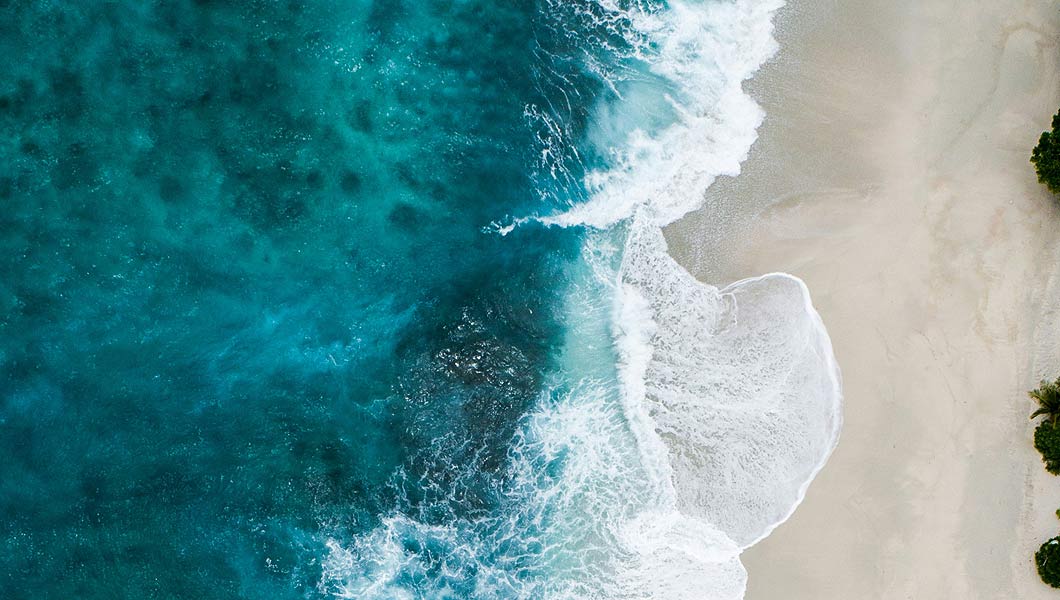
892	175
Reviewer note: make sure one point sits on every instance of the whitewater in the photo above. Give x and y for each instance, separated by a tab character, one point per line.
682	422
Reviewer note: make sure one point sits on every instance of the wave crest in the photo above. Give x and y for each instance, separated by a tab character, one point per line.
727	401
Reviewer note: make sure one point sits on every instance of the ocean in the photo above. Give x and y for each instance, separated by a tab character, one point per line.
370	299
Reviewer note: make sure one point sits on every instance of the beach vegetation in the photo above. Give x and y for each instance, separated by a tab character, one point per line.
1046	157
1048	560
1048	398
1047	441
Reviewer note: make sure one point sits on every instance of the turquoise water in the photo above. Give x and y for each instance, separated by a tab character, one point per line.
246	284
368	299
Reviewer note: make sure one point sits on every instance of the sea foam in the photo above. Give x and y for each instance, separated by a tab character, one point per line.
742	388
684	422
702	52
733	395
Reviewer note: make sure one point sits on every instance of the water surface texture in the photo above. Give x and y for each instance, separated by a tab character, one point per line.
368	299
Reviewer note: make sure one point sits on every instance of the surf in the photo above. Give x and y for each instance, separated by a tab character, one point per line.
683	422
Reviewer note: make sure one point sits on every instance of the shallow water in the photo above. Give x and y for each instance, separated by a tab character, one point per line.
298	300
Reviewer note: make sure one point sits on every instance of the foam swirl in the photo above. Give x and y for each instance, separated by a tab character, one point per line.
653	462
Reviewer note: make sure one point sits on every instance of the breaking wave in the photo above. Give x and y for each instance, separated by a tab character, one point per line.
682	422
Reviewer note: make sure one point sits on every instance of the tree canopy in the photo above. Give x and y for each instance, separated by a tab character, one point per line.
1046	157
1048	560
1048	398
1047	441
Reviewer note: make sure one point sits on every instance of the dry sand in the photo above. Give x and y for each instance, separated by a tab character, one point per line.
892	175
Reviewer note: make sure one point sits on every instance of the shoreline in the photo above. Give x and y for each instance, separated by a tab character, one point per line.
892	175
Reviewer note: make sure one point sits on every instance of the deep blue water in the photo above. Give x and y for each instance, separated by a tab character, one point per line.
250	296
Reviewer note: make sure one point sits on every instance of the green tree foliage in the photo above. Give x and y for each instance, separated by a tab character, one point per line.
1048	560
1046	157
1048	398
1047	441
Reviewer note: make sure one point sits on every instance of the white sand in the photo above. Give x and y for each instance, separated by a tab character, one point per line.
892	175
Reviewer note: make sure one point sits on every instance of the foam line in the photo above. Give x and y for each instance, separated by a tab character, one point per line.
653	462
